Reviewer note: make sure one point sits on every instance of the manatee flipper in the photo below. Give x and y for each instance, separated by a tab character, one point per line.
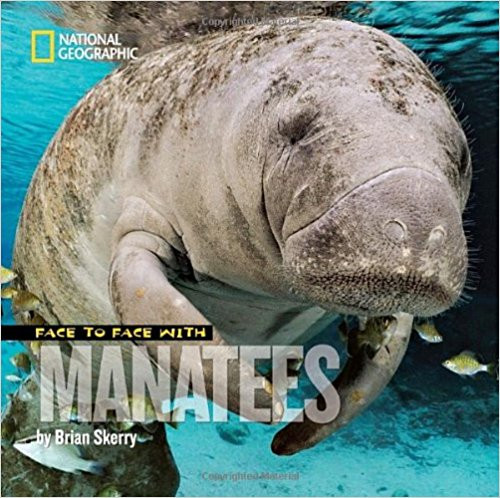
142	294
358	384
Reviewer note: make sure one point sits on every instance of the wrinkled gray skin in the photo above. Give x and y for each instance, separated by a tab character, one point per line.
263	180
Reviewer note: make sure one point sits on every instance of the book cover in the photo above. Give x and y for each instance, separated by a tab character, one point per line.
249	248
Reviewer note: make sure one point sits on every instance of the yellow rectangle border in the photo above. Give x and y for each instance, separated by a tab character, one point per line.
43	32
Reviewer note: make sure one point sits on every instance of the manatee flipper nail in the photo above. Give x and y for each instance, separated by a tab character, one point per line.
358	384
142	294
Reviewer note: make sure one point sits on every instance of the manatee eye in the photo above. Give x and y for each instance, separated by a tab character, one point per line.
296	127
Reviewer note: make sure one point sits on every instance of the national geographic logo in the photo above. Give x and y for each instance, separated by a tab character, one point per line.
78	46
43	41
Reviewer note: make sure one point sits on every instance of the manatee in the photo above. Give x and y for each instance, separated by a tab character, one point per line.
264	180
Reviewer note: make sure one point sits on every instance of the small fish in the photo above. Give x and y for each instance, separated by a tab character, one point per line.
64	457
37	319
76	413
23	394
35	347
144	437
466	363
7	275
69	413
119	425
233	433
13	378
376	334
428	332
295	364
8	430
8	292
142	405
123	426
22	362
109	490
25	301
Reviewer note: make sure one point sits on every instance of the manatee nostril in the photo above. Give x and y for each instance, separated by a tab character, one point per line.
395	230
436	237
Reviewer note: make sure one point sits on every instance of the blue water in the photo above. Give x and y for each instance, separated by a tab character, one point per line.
430	433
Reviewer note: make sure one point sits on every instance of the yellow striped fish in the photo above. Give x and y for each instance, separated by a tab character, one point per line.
7	275
428	332
466	363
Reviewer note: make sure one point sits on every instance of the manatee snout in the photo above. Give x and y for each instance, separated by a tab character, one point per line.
393	243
